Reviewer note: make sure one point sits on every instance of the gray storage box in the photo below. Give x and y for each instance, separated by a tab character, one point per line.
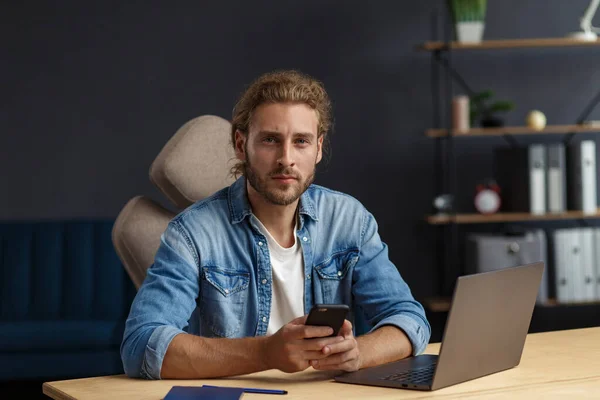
489	252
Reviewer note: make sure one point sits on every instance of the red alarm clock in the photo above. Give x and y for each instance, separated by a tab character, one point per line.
487	197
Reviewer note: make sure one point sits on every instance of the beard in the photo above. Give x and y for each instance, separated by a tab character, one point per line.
270	190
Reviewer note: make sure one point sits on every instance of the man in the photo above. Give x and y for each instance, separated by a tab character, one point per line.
236	273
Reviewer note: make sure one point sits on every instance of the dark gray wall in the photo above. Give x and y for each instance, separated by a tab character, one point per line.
92	91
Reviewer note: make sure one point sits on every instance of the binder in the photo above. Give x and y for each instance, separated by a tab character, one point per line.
556	175
562	259
582	177
574	269
543	293
586	286
521	174
597	261
537	179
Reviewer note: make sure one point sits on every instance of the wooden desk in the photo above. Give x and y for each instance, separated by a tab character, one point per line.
561	365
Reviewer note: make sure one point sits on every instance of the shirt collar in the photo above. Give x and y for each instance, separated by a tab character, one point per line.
239	206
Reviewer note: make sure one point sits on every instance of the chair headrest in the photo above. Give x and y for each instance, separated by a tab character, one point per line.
195	162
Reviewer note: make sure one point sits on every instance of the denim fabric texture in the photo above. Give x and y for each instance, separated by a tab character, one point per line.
212	277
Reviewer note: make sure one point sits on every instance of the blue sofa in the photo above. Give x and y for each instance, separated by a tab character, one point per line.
64	298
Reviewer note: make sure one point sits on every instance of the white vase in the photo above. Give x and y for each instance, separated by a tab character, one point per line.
469	32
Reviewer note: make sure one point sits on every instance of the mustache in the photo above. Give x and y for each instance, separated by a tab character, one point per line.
284	171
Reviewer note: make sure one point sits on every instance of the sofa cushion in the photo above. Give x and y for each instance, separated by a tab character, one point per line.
58	365
61	270
26	336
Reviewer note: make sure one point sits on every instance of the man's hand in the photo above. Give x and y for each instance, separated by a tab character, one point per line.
293	347
344	355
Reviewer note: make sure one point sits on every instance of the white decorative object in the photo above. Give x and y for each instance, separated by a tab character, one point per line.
469	32
588	32
536	120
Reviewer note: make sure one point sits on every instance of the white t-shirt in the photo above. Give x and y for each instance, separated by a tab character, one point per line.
287	271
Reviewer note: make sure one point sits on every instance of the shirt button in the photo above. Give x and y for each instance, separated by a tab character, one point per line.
264	281
260	243
339	273
226	290
264	319
305	239
308	277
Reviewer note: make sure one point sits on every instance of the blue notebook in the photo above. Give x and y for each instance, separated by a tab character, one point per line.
203	393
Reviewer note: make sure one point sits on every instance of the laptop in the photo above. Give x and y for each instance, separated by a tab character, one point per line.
485	333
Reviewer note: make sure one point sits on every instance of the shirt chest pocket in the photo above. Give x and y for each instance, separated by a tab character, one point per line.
223	295
335	276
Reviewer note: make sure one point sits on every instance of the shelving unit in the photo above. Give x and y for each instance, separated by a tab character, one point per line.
506	44
442	304
444	136
513	130
506	217
546	317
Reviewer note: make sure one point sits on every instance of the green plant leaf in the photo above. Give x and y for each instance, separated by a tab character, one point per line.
467	10
501	106
473	115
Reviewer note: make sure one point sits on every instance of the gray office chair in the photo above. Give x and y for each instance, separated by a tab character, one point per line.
193	164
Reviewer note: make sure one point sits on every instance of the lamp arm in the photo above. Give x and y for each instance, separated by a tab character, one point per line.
586	20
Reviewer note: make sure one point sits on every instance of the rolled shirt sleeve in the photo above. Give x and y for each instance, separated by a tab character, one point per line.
162	306
418	336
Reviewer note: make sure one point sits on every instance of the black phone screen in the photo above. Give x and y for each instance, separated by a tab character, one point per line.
332	315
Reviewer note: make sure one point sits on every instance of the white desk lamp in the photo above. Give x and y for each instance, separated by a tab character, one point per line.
588	32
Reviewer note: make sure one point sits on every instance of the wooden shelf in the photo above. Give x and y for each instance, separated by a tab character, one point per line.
506	217
442	304
508	44
514	130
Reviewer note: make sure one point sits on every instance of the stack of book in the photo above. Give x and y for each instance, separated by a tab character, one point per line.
542	179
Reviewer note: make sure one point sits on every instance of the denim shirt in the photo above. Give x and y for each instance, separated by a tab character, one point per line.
212	275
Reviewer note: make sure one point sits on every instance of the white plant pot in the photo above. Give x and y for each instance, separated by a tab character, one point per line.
469	32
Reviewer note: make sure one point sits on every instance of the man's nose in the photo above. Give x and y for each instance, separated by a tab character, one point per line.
286	157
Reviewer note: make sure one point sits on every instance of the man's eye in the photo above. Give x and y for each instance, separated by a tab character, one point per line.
302	141
269	140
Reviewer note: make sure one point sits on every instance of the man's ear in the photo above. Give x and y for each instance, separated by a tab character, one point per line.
240	145
320	148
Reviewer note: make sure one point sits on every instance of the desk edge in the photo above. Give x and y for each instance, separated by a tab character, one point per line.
55	393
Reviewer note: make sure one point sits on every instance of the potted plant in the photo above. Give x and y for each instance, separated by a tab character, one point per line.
469	16
483	109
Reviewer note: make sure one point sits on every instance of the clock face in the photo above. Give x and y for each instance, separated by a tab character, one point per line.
487	201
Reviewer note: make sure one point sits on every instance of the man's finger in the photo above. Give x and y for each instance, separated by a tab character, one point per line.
298	321
297	332
346	329
336	359
313	355
318	344
342	346
310	331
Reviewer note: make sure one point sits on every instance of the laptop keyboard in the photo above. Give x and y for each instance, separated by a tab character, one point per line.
418	375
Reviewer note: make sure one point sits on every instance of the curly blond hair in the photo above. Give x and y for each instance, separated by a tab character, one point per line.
288	86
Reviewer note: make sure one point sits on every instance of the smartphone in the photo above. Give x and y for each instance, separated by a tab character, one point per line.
332	315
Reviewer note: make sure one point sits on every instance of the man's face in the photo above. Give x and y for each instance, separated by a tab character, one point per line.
281	151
